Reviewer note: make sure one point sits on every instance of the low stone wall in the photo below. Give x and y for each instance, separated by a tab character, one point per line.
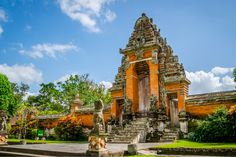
87	119
197	151
201	105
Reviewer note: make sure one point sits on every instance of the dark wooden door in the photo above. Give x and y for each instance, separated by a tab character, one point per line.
174	113
144	93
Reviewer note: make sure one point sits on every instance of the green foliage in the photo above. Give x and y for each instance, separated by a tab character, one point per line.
58	96
215	128
87	89
31	133
7	100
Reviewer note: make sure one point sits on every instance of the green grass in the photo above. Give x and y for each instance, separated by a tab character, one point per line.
46	141
190	144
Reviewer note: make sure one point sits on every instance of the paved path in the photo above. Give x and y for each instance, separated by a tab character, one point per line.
80	148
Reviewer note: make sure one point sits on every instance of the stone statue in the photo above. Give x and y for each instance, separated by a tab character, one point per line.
127	106
3	128
98	121
97	138
3	123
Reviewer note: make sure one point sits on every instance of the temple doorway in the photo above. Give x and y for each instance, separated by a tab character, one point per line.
142	70
119	110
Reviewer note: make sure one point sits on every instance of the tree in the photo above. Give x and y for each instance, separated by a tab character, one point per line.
7	100
88	90
20	92
49	98
56	97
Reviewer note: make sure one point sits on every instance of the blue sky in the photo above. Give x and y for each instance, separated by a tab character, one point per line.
47	40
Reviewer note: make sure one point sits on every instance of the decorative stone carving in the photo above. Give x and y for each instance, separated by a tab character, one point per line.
162	93
155	56
98	121
3	128
127	106
125	62
153	103
76	104
98	137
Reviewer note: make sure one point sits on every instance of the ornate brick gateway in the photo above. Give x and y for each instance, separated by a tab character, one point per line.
150	92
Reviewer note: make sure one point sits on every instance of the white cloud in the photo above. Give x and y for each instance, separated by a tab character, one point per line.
87	12
1	30
106	84
218	79
3	16
221	70
110	16
22	73
65	77
30	94
48	49
28	28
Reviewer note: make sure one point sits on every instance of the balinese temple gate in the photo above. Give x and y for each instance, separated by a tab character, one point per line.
151	83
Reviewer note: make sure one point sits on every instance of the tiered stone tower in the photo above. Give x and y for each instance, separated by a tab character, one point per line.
150	78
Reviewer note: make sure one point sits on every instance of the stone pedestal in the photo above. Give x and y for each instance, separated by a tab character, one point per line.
183	126
97	145
3	139
161	122
183	122
161	126
132	149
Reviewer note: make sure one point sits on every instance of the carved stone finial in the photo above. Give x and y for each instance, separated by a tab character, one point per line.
143	14
76	104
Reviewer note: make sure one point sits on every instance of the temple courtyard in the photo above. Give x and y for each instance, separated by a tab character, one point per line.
74	149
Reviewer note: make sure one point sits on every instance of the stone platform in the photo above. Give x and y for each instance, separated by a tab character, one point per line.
69	149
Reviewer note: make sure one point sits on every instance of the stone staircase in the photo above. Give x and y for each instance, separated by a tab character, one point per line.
169	135
134	132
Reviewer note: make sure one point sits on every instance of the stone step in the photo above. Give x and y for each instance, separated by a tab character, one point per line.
135	128
120	142
171	130
170	134
123	137
165	136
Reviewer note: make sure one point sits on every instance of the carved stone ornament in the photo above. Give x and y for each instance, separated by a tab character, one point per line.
98	121
127	106
97	138
153	102
125	62
155	56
